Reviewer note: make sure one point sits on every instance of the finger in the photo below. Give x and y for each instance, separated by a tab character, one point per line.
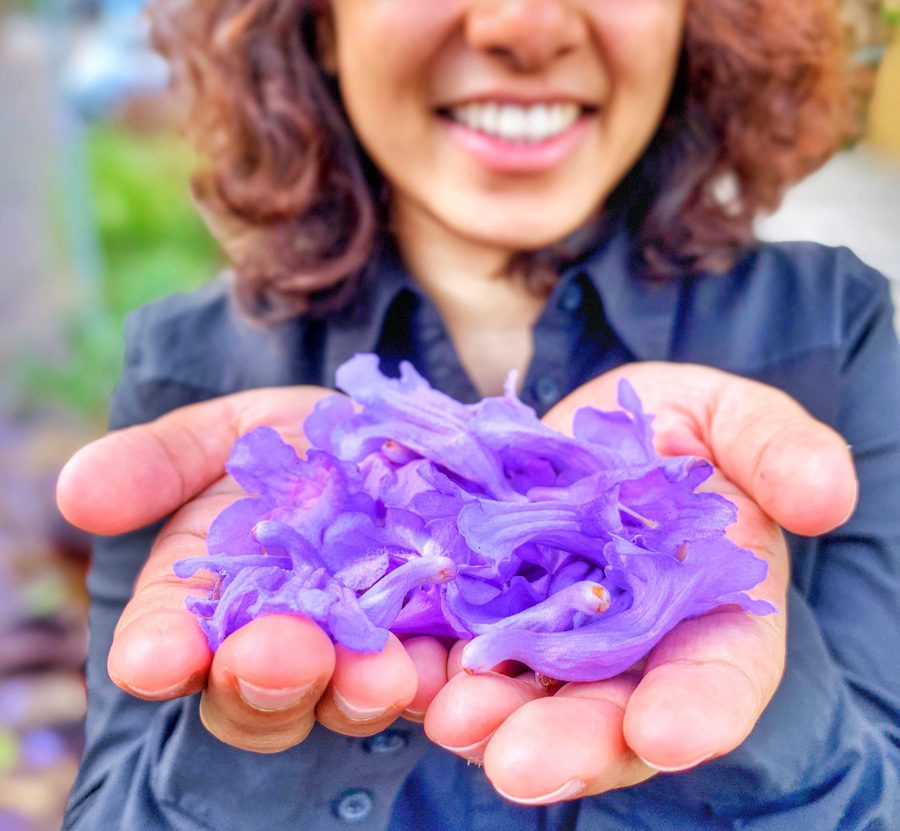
465	713
135	476
429	656
454	658
565	747
158	650
705	687
707	682
796	468
265	681
368	691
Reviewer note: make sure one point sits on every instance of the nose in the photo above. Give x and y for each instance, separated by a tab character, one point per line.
526	34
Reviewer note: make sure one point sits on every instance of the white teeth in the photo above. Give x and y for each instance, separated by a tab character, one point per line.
515	123
538	122
486	118
512	122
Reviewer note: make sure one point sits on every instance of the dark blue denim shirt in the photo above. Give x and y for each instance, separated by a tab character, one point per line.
826	753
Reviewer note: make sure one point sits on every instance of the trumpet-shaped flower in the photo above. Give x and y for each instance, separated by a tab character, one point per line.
416	514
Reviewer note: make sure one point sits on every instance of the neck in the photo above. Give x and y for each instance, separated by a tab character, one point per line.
461	275
487	311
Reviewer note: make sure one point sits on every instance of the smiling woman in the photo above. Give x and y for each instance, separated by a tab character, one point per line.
291	103
566	188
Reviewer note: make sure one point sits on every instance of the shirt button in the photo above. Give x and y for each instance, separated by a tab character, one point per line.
546	390
570	299
390	741
354	806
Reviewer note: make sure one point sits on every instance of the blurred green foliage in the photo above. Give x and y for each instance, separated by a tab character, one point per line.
152	238
891	11
153	244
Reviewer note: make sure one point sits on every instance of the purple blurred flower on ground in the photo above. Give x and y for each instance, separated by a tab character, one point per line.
416	514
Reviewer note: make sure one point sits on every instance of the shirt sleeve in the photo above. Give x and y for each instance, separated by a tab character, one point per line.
151	765
108	789
854	598
826	752
855	593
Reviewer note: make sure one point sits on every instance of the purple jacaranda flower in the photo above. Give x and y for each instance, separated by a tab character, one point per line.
409	413
661	592
416	514
555	612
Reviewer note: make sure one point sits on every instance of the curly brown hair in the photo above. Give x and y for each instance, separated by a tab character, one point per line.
759	102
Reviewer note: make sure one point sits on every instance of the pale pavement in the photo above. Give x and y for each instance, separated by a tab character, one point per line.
854	201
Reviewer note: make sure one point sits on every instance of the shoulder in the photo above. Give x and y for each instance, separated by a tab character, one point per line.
820	278
192	347
784	299
203	340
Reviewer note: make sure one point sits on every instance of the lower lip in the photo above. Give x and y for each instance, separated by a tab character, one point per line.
501	156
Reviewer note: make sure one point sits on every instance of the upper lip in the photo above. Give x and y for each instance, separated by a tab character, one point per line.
517	97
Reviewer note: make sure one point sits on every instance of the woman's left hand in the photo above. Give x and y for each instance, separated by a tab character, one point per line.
701	690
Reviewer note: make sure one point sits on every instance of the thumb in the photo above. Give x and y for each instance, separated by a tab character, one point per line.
135	476
797	469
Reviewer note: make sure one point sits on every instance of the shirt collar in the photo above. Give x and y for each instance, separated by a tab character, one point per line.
359	328
640	311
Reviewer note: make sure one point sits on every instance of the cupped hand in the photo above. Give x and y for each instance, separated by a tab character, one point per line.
268	683
271	680
699	692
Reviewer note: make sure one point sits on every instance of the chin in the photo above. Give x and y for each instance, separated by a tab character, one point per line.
519	234
521	224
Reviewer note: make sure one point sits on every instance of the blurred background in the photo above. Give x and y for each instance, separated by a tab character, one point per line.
96	219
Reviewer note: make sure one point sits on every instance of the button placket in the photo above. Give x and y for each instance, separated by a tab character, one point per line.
386	742
546	390
571	297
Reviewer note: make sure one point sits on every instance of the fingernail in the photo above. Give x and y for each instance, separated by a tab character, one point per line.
569	790
471	752
175	691
677	768
267	698
354	712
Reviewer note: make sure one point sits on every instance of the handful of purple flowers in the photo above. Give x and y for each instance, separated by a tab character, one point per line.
416	514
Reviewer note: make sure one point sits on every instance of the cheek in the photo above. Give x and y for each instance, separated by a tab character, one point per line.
641	42
384	51
389	39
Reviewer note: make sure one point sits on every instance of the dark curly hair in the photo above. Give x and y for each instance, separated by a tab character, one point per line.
759	101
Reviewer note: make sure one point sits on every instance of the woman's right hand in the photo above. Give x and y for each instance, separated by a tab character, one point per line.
271	680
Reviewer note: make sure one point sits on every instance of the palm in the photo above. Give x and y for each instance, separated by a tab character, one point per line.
697	694
267	685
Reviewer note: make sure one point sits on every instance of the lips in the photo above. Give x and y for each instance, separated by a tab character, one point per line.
513	137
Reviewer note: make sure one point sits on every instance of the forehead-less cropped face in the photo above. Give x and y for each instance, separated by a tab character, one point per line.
506	122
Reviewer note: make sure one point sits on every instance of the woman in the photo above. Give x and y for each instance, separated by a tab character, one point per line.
561	188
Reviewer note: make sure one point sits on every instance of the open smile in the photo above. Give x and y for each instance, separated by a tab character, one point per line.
517	123
515	137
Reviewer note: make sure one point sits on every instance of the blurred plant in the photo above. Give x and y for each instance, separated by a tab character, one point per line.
153	244
42	627
891	11
153	241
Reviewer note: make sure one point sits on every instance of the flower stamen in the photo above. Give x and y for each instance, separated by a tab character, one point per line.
635	515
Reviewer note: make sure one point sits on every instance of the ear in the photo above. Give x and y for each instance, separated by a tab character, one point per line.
326	38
